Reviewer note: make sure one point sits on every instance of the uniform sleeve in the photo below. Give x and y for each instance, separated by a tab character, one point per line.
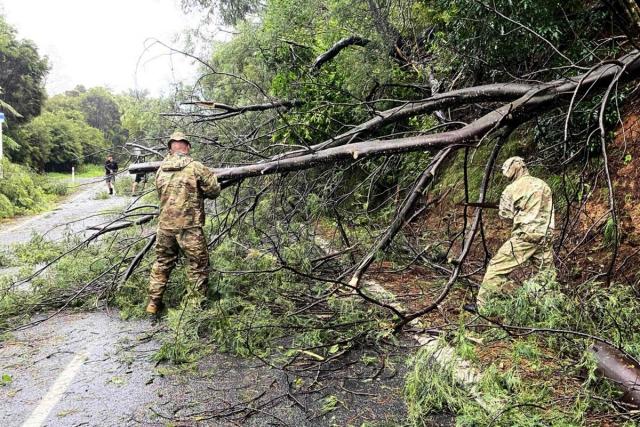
506	209
208	182
158	185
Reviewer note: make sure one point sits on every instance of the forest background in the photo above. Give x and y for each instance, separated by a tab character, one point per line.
75	129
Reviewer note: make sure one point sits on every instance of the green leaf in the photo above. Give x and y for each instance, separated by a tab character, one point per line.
6	379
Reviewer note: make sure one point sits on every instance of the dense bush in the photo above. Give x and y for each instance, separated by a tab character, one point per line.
23	74
20	191
57	141
23	191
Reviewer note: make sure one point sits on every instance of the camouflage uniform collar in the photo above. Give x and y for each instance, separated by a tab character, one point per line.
522	175
176	161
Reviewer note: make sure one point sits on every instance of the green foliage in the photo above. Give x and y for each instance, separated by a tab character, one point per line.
23	192
431	389
4	106
102	195
610	232
123	185
90	171
538	302
75	280
5	380
56	188
99	109
37	250
23	74
231	11
83	171
57	141
472	35
251	313
330	403
453	177
184	344
140	115
591	308
6	207
6	259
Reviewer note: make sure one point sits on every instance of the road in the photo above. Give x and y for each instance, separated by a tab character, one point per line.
94	369
77	213
76	368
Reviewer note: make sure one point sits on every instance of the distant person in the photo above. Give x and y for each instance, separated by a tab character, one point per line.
110	171
140	177
182	184
528	202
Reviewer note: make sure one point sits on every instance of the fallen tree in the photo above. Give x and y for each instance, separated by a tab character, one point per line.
526	101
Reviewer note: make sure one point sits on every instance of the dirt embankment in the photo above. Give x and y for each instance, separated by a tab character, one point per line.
593	237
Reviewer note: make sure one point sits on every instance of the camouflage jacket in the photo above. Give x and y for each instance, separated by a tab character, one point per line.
182	185
528	202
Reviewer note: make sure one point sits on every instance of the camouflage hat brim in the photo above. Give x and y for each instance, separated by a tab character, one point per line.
178	137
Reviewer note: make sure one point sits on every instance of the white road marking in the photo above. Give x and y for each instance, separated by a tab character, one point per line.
40	414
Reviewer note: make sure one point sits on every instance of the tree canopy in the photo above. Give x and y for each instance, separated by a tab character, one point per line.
23	74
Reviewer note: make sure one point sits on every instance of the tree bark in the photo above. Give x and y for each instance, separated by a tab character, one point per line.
535	100
337	48
621	370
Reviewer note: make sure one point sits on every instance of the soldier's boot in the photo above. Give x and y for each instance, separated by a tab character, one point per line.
154	307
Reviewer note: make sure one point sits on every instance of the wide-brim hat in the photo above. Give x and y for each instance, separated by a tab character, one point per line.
513	165
178	136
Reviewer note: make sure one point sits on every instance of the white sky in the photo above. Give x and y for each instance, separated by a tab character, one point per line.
99	43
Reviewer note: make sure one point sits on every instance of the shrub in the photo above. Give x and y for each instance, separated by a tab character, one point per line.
123	185
21	191
6	208
56	188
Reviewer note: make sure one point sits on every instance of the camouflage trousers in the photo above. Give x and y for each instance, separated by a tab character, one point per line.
168	245
513	253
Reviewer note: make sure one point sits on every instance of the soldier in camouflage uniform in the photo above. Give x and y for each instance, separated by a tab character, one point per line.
528	202
182	185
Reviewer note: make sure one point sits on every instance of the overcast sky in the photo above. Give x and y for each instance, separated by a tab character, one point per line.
102	43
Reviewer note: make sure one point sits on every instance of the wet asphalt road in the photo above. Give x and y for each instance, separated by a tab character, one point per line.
77	213
94	369
111	382
76	368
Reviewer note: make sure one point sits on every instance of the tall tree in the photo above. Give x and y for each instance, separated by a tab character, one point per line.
23	73
98	107
231	11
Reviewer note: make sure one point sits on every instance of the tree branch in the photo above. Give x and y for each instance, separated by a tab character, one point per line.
337	48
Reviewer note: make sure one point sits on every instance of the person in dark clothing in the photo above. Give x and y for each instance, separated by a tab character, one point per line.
110	171
140	177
